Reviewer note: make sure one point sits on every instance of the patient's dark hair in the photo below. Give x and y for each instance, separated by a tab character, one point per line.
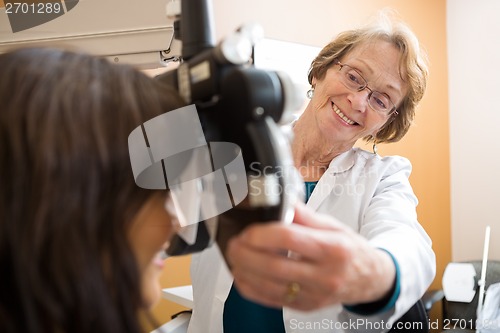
67	193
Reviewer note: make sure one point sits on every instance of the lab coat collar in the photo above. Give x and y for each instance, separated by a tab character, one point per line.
343	162
339	164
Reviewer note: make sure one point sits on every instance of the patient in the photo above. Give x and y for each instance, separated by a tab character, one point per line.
79	241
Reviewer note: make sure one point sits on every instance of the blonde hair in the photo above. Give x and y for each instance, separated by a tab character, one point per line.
413	66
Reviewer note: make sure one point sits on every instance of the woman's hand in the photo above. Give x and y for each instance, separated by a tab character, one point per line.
314	262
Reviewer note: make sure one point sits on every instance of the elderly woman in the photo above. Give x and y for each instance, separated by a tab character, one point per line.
357	257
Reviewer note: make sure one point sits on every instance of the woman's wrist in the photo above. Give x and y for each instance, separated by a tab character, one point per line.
387	301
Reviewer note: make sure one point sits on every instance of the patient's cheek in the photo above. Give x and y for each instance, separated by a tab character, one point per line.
151	288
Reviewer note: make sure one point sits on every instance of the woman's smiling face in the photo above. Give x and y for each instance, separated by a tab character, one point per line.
343	115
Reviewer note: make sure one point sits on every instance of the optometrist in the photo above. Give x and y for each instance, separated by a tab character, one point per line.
356	251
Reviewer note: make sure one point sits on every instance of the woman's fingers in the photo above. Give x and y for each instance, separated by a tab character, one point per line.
308	264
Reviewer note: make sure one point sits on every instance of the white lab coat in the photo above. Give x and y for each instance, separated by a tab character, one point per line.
372	195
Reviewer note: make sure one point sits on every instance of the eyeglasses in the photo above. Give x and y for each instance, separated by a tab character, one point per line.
353	80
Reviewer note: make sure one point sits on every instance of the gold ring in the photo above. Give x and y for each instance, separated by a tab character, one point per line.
292	291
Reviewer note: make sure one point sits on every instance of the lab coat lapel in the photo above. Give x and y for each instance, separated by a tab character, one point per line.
326	184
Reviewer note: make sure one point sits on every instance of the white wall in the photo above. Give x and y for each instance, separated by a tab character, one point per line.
474	83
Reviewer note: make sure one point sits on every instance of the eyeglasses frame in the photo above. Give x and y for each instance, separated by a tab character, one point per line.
392	112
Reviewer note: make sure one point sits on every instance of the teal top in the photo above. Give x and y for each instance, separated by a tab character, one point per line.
244	316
